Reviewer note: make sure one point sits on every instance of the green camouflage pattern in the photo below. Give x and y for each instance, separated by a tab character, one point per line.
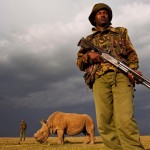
116	42
23	127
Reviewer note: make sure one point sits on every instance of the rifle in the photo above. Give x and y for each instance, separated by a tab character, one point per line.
117	63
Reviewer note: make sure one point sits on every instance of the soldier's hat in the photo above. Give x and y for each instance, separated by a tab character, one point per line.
98	7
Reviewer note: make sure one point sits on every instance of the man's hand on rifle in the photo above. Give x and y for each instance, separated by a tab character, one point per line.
94	56
132	78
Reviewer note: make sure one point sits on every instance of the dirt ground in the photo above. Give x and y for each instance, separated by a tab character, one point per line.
72	143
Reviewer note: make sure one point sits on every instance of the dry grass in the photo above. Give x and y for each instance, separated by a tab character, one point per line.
71	143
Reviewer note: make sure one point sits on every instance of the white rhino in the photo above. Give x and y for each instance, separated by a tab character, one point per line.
66	123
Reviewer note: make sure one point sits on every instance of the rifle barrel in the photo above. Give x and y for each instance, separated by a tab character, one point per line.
117	63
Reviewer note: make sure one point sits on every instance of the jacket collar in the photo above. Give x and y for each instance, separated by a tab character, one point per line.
110	28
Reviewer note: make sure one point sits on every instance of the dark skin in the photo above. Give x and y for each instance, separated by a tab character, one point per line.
101	20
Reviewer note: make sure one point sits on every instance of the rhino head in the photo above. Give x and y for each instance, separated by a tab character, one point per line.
42	134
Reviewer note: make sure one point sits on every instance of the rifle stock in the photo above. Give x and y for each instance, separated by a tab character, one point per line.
117	63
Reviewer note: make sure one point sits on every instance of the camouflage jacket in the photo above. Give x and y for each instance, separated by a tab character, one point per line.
113	40
23	125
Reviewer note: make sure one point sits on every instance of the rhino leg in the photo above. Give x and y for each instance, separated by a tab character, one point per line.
60	134
92	141
87	139
92	138
90	129
89	136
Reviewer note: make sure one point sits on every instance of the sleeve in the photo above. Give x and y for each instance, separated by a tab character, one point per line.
82	59
132	57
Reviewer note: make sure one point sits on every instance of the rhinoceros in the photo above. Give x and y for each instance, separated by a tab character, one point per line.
61	123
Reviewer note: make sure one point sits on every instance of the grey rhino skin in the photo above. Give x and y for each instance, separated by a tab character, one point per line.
66	123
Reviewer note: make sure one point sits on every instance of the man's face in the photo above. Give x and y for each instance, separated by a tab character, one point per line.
101	18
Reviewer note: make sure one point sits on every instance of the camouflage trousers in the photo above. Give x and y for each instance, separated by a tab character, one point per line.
22	135
113	96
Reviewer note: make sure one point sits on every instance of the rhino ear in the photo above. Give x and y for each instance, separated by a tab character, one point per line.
42	121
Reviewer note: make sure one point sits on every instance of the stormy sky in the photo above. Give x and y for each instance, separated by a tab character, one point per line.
38	48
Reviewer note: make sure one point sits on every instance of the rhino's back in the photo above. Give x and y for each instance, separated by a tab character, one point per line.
51	119
68	117
61	116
